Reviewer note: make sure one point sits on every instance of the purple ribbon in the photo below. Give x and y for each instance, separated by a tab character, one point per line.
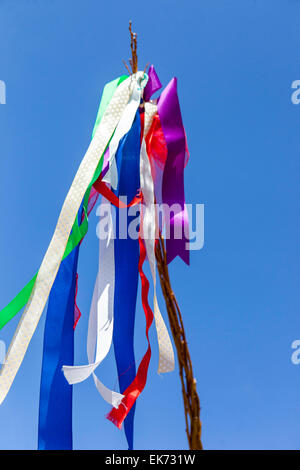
105	166
153	84
173	177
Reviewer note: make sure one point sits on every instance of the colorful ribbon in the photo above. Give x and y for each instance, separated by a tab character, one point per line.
147	246
56	249
173	176
55	414
126	270
148	233
55	411
100	327
139	151
104	287
132	392
78	231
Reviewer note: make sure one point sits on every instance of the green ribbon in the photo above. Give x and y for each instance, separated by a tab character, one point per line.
78	231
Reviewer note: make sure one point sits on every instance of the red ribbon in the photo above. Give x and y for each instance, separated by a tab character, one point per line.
156	145
77	312
91	203
101	188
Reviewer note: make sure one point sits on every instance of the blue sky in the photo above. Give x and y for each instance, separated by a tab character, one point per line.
235	62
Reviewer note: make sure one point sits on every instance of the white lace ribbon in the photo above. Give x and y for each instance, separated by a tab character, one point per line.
101	320
123	128
166	353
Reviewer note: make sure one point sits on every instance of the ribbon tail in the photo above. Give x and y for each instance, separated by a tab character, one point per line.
126	269
100	329
117	416
148	232
55	411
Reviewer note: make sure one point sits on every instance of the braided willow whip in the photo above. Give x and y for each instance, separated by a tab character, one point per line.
188	382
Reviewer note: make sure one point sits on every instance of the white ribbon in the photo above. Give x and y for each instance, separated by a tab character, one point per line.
166	353
123	128
51	262
101	320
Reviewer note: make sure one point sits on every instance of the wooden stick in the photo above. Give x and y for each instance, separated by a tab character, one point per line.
128	70
188	382
133	46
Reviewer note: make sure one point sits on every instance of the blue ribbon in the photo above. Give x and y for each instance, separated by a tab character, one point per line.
55	414
126	269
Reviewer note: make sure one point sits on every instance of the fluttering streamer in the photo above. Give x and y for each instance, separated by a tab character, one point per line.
55	415
126	268
138	150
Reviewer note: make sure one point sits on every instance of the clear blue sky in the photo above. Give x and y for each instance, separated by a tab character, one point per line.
235	61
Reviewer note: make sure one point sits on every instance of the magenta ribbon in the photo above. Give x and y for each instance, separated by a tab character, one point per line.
105	163
173	177
153	84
